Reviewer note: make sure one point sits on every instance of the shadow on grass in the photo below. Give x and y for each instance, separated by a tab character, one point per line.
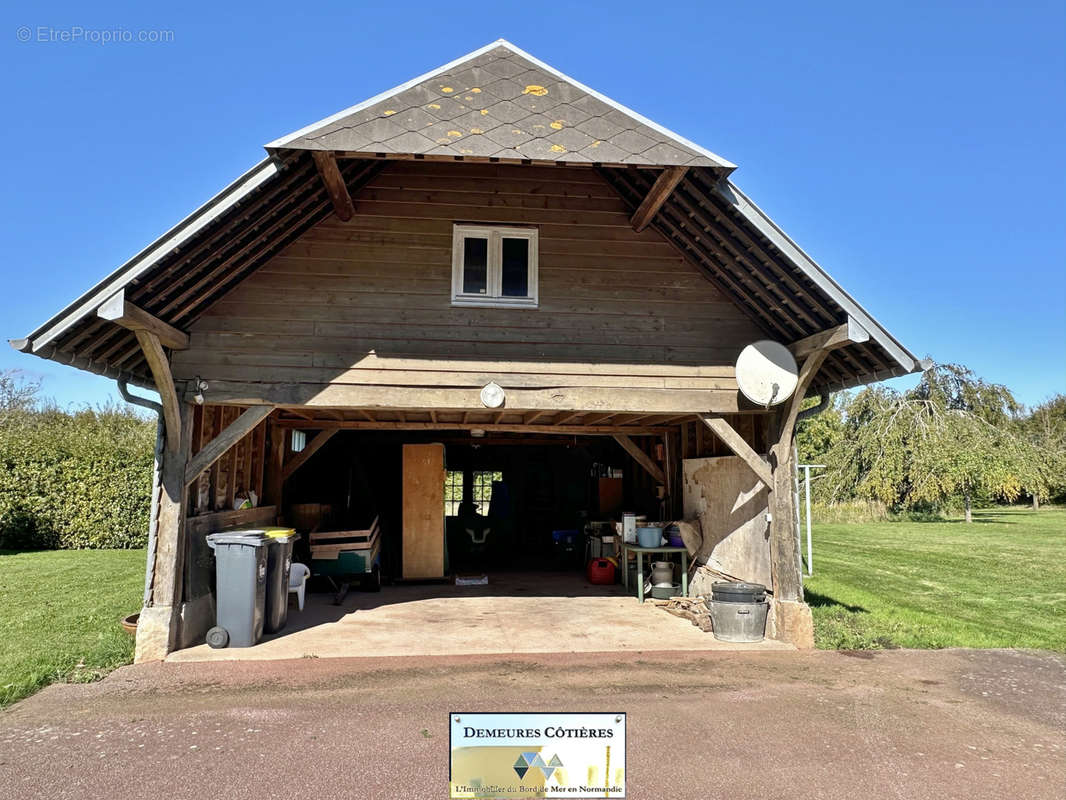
979	521
816	600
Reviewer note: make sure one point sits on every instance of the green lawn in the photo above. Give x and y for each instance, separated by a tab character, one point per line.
59	616
998	582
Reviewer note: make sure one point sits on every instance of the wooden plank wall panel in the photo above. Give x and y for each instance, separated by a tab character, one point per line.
237	471
367	301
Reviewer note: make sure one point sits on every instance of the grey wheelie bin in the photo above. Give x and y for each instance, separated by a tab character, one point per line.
241	579
279	559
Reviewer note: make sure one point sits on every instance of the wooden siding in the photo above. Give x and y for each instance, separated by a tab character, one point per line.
367	302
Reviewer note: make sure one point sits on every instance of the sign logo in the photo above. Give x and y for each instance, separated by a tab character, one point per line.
528	761
498	756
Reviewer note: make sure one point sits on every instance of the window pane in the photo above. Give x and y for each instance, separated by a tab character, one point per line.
515	267
475	265
453	492
483	488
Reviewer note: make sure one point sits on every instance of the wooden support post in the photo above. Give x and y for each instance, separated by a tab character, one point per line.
641	458
670	470
164	385
784	552
334	182
663	187
260	463
122	312
735	442
217	447
309	450
157	626
275	464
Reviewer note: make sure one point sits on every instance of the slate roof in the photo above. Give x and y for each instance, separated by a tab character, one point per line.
500	102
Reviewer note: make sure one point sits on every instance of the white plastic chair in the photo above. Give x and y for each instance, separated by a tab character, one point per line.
298	575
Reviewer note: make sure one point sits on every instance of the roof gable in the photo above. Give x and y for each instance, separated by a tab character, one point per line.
715	226
500	102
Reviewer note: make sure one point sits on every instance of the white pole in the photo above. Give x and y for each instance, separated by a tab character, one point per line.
796	495
807	493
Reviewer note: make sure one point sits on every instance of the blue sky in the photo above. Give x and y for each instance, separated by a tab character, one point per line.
915	149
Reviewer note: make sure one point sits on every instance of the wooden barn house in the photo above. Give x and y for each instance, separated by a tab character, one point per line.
491	275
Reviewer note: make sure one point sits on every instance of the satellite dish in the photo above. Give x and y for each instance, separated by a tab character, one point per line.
766	373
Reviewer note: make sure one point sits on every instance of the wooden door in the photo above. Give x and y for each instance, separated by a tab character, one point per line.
423	510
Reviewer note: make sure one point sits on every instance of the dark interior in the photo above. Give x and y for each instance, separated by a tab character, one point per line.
521	488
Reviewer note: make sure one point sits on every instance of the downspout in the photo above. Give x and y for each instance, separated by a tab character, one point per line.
807	413
153	513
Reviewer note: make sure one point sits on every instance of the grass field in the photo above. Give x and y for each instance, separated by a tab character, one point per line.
59	616
998	582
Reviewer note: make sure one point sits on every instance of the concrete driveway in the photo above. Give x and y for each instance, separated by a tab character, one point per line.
899	724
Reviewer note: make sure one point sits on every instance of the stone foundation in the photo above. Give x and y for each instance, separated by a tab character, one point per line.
791	622
156	633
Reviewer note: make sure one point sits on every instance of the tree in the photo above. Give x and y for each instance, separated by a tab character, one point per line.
1045	428
954	436
17	394
817	436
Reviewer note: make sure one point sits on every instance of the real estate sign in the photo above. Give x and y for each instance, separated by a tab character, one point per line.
547	755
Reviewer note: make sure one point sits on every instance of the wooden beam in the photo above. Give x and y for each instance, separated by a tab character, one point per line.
663	187
158	627
334	183
641	457
599	418
217	447
506	427
164	385
851	332
379	398
562	419
309	450
808	370
735	442
122	312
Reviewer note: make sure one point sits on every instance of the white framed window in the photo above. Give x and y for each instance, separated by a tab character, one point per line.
494	265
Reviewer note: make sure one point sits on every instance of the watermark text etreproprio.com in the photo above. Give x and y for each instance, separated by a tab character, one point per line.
70	34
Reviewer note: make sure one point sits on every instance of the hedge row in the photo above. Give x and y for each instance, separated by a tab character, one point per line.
75	480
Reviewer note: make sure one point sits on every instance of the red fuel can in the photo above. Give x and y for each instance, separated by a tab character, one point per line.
600	571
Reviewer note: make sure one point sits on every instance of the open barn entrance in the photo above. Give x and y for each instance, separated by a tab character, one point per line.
447	533
505	502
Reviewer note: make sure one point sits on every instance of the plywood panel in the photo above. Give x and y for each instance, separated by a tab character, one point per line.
423	511
731	505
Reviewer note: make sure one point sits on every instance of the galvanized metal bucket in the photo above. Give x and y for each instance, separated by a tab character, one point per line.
738	622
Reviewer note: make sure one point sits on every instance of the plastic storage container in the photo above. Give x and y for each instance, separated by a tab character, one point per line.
600	571
279	560
649	537
567	547
240	577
